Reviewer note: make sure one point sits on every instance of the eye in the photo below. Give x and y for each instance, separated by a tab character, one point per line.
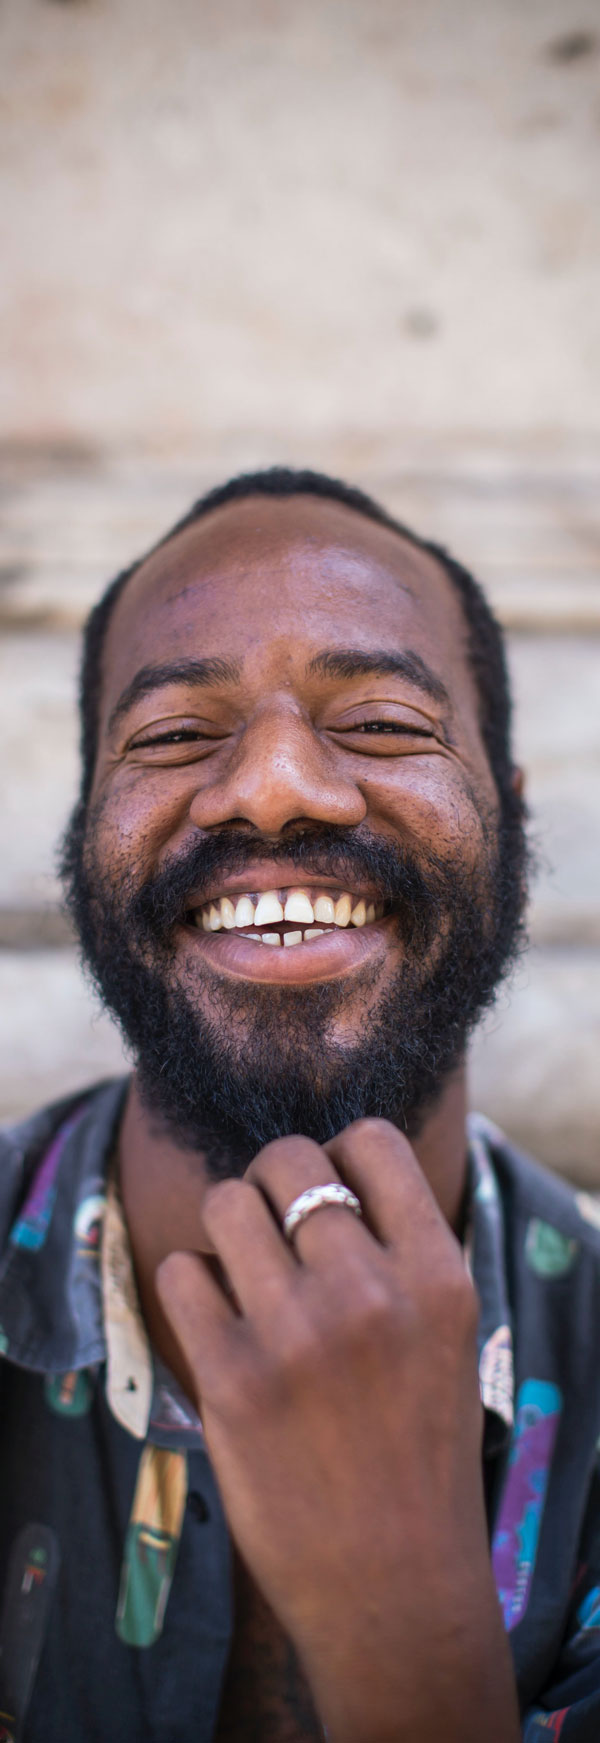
386	735
385	727
177	735
391	726
183	741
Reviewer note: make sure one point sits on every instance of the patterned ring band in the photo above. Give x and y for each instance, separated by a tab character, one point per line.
313	1198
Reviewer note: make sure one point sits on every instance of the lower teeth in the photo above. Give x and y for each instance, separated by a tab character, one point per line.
274	938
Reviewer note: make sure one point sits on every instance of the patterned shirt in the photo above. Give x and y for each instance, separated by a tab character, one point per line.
116	1612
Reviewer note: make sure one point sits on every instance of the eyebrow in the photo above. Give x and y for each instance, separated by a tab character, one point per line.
149	678
331	663
356	663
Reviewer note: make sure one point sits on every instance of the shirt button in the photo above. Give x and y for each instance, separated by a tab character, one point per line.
197	1506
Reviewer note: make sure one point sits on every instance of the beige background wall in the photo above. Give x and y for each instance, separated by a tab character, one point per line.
358	234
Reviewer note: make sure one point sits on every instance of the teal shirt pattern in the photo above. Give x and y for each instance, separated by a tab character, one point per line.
116	1614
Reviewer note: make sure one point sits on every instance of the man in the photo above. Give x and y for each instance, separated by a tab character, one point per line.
259	1303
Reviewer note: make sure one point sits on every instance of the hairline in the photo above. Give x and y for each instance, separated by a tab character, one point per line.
378	518
385	521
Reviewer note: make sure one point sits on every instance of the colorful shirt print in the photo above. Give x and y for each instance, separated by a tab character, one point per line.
69	1394
496	1373
32	1225
134	1631
87	1224
151	1545
548	1252
31	1580
547	1727
588	1614
539	1405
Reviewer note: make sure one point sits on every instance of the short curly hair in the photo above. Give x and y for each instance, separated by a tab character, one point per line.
485	642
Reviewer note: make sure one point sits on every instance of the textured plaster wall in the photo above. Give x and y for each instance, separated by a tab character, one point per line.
358	234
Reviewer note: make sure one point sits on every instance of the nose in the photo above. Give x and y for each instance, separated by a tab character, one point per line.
281	772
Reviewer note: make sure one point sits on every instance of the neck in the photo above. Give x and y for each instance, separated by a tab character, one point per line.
163	1188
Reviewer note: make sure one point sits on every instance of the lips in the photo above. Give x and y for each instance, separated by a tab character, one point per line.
324	954
253	929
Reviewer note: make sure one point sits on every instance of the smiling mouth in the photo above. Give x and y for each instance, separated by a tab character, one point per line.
286	917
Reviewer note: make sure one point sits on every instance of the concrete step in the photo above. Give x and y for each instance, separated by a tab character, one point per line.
535	1061
39	766
53	1037
527	520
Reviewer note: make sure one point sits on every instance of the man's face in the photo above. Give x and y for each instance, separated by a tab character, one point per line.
287	887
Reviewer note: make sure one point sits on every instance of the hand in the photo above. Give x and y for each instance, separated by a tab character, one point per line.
340	1402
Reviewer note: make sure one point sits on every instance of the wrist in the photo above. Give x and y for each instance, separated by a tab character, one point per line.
456	1683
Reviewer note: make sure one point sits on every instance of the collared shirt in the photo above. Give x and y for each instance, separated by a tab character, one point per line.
116	1613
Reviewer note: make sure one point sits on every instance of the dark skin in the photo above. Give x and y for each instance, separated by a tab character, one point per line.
338	1388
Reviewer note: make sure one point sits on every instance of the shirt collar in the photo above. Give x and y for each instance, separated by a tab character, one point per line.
143	1395
50	1296
128	1356
485	1253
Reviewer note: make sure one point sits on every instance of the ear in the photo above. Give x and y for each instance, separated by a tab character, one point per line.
517	781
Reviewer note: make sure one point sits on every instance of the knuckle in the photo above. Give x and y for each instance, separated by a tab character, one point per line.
304	1343
316	1339
292	1148
454	1300
372	1309
227	1191
370	1127
365	1317
225	1199
376	1135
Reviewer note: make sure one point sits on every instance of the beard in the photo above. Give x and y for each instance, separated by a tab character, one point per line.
265	1062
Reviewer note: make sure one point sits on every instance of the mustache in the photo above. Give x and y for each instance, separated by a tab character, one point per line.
417	889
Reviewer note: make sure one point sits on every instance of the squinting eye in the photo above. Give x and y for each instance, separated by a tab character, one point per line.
179	735
175	736
390	726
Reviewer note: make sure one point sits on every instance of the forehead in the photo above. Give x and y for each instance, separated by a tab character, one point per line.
266	577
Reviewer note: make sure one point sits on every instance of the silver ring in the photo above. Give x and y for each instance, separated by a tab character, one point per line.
312	1199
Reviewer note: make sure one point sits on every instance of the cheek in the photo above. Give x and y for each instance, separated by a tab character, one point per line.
432	802
134	822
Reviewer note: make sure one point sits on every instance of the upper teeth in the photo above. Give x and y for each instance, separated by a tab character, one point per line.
268	910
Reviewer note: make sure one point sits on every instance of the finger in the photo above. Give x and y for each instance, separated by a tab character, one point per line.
287	1168
258	1262
378	1163
203	1321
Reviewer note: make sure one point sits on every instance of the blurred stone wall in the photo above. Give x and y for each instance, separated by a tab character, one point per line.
361	235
